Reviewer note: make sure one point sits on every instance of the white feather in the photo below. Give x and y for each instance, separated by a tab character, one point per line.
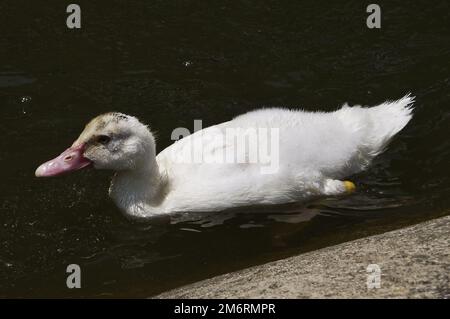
316	150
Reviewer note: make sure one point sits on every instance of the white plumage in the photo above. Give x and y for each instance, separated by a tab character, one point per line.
315	151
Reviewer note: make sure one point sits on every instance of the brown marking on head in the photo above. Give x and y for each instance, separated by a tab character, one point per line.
104	124
117	117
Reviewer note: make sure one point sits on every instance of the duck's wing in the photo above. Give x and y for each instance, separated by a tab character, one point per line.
334	144
204	146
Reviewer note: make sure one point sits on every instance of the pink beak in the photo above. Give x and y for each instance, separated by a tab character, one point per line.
70	160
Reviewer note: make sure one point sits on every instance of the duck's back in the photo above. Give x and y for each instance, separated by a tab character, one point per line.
336	144
303	147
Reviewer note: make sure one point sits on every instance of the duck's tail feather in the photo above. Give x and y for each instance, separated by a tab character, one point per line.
376	126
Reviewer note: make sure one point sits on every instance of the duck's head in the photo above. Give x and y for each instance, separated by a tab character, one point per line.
111	141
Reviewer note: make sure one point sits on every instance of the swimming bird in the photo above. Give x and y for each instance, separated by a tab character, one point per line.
265	156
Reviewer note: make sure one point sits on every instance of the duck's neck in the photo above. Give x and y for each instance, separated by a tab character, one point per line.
140	192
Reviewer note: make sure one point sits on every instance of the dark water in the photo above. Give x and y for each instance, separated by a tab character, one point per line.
170	62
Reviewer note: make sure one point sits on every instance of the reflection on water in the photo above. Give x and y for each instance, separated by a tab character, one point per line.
172	62
14	79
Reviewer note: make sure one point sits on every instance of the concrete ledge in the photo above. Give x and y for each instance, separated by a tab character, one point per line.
414	262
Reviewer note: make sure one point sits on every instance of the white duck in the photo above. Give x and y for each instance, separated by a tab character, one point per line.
309	155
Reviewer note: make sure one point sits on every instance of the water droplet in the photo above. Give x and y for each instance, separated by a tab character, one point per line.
25	99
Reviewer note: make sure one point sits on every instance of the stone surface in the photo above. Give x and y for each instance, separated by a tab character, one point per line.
414	263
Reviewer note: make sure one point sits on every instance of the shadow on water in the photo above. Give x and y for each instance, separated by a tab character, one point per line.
170	62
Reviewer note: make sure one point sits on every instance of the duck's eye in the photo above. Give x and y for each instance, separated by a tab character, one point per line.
103	139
